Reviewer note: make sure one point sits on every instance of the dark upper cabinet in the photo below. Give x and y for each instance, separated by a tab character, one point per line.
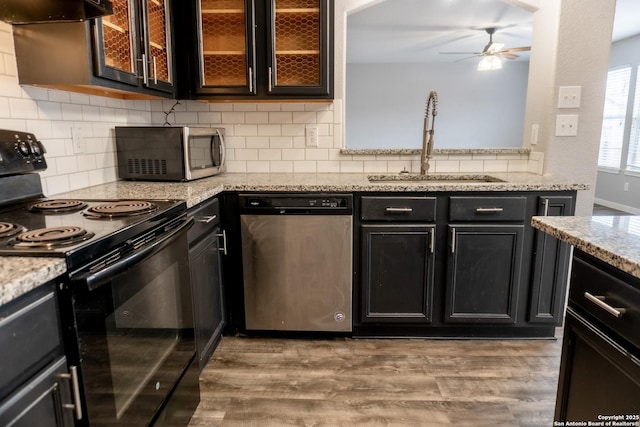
550	266
248	49
128	54
483	273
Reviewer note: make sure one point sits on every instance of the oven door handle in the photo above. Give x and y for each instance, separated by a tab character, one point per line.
95	280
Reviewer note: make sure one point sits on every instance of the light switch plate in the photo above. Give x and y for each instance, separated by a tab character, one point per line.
567	125
569	96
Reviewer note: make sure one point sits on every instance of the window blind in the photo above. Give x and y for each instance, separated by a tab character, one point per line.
615	109
633	159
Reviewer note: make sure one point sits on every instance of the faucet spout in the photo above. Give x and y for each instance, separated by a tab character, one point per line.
431	109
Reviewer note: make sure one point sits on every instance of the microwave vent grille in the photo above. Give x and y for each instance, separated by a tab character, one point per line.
147	166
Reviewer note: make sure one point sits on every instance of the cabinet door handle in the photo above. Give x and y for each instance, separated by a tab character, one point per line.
489	210
155	71
599	301
270	79
207	219
75	389
250	79
392	209
453	240
545	207
145	71
224	241
432	240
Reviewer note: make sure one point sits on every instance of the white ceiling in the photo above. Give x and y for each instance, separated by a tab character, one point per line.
418	30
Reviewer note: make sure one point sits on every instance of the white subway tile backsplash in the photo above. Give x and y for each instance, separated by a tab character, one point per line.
328	167
269	106
23	108
232	118
293	130
352	166
209	118
257	117
446	166
242	106
293	154
305	166
269	154
281	117
304	117
269	130
258	167
317	154
281	142
245	130
79	180
282	166
257	142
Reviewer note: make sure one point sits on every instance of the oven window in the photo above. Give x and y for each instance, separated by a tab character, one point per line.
135	335
204	151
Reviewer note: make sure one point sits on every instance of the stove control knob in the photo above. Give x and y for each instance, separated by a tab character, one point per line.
35	148
23	148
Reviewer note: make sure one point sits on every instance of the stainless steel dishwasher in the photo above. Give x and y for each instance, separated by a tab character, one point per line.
297	261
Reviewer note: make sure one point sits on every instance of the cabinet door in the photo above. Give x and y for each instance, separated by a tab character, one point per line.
206	282
43	401
597	376
116	51
158	56
397	273
550	266
299	39
226	38
483	273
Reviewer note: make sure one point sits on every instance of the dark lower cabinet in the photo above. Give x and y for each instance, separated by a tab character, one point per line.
600	364
550	266
397	264
206	279
597	376
483	273
35	383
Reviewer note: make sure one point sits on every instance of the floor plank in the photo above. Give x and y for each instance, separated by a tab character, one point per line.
379	382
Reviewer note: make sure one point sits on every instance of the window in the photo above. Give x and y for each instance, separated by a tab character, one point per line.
633	159
615	111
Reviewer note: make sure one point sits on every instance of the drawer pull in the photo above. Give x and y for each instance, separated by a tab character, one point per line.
207	219
398	210
599	301
76	407
489	210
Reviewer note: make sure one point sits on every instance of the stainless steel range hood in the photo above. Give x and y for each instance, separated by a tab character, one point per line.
34	11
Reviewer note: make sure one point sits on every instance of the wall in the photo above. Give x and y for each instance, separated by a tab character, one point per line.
610	185
51	115
570	47
393	96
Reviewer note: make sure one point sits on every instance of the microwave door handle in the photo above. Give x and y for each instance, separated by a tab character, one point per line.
95	280
223	150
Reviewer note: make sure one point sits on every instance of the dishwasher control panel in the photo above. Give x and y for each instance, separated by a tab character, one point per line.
311	203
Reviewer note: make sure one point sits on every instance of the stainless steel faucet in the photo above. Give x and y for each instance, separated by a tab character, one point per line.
427	134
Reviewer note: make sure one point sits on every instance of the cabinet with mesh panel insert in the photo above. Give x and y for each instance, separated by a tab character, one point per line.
124	55
261	49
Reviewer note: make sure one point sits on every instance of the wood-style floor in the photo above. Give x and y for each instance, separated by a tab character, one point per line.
379	382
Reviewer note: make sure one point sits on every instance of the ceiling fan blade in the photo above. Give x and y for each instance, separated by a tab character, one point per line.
517	49
461	53
507	55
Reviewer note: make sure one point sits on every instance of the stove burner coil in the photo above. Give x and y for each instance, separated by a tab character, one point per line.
121	209
8	229
52	237
58	206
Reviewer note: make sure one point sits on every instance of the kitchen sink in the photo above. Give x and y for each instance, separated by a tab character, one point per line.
412	178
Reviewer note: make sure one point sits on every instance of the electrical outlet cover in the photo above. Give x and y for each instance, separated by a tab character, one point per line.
567	125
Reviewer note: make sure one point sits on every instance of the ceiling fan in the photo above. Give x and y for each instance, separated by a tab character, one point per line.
493	49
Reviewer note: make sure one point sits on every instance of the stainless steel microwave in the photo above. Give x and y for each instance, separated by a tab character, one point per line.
171	153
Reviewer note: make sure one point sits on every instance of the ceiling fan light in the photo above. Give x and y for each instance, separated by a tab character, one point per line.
490	63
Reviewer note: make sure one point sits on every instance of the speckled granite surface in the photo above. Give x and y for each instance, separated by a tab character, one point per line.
612	239
18	280
411	151
196	191
20	275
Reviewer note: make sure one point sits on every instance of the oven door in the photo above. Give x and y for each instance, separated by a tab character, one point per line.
134	332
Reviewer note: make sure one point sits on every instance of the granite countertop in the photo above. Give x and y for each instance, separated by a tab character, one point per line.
197	191
19	280
612	239
22	274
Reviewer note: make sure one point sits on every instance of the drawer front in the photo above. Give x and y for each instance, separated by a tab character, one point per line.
398	209
487	208
206	217
607	298
29	338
